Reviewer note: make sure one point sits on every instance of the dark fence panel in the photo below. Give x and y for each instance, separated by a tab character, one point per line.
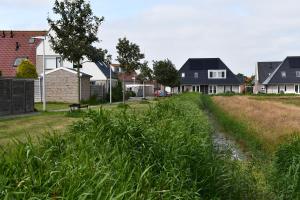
16	96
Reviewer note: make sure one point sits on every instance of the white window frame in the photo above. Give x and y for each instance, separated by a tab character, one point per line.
183	75
298	88
55	59
217	74
212	89
283	74
298	74
196	75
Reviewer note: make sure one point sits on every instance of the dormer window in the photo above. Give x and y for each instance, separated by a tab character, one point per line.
19	60
283	74
182	75
298	74
196	75
217	74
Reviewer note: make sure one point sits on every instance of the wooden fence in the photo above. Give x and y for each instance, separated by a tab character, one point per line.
16	96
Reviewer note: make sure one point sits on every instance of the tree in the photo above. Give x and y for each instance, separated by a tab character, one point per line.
146	74
129	57
74	32
26	70
165	73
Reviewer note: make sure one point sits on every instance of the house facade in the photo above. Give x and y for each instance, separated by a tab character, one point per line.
278	77
207	76
99	74
16	46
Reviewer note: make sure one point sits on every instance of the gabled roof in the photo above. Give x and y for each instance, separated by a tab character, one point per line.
202	65
290	66
105	69
265	69
73	71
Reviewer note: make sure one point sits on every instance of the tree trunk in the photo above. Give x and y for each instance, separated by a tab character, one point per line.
143	89
78	76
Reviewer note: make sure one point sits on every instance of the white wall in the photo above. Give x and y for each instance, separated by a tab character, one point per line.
92	69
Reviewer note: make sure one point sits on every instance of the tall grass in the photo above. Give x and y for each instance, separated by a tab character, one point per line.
164	153
281	168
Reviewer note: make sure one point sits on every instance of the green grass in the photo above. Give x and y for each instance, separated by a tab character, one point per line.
164	152
36	126
52	106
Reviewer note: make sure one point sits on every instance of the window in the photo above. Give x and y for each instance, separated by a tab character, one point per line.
283	74
196	75
31	41
212	89
53	62
217	74
298	74
19	60
183	75
297	89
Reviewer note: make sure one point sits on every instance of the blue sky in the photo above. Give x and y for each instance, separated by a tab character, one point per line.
239	32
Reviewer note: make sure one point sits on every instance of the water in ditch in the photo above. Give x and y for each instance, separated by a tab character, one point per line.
224	144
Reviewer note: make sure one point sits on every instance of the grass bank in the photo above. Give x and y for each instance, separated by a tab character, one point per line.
241	131
280	165
164	152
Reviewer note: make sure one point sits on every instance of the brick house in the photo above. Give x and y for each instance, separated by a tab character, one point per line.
16	46
62	85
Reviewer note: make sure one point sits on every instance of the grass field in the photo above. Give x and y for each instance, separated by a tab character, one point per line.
292	100
163	152
37	126
146	150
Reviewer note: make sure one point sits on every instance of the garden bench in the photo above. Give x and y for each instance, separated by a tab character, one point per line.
77	106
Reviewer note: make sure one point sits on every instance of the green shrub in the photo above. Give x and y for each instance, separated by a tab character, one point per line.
26	70
117	93
93	100
130	94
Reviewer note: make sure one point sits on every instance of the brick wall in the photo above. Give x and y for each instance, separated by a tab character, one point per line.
61	86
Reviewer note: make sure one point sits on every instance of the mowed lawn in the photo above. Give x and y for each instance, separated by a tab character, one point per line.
271	121
41	124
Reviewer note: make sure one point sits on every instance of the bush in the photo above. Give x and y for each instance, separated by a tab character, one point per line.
26	70
94	101
117	93
130	94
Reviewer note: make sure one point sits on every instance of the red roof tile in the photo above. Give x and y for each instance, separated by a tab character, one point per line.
14	44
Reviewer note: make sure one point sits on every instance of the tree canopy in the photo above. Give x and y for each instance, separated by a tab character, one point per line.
26	70
129	55
146	73
165	73
74	31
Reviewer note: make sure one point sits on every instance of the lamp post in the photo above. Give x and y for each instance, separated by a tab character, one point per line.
110	86
43	38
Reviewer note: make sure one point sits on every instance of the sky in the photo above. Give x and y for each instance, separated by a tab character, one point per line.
240	32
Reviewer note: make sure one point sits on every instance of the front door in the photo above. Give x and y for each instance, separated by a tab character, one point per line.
204	89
